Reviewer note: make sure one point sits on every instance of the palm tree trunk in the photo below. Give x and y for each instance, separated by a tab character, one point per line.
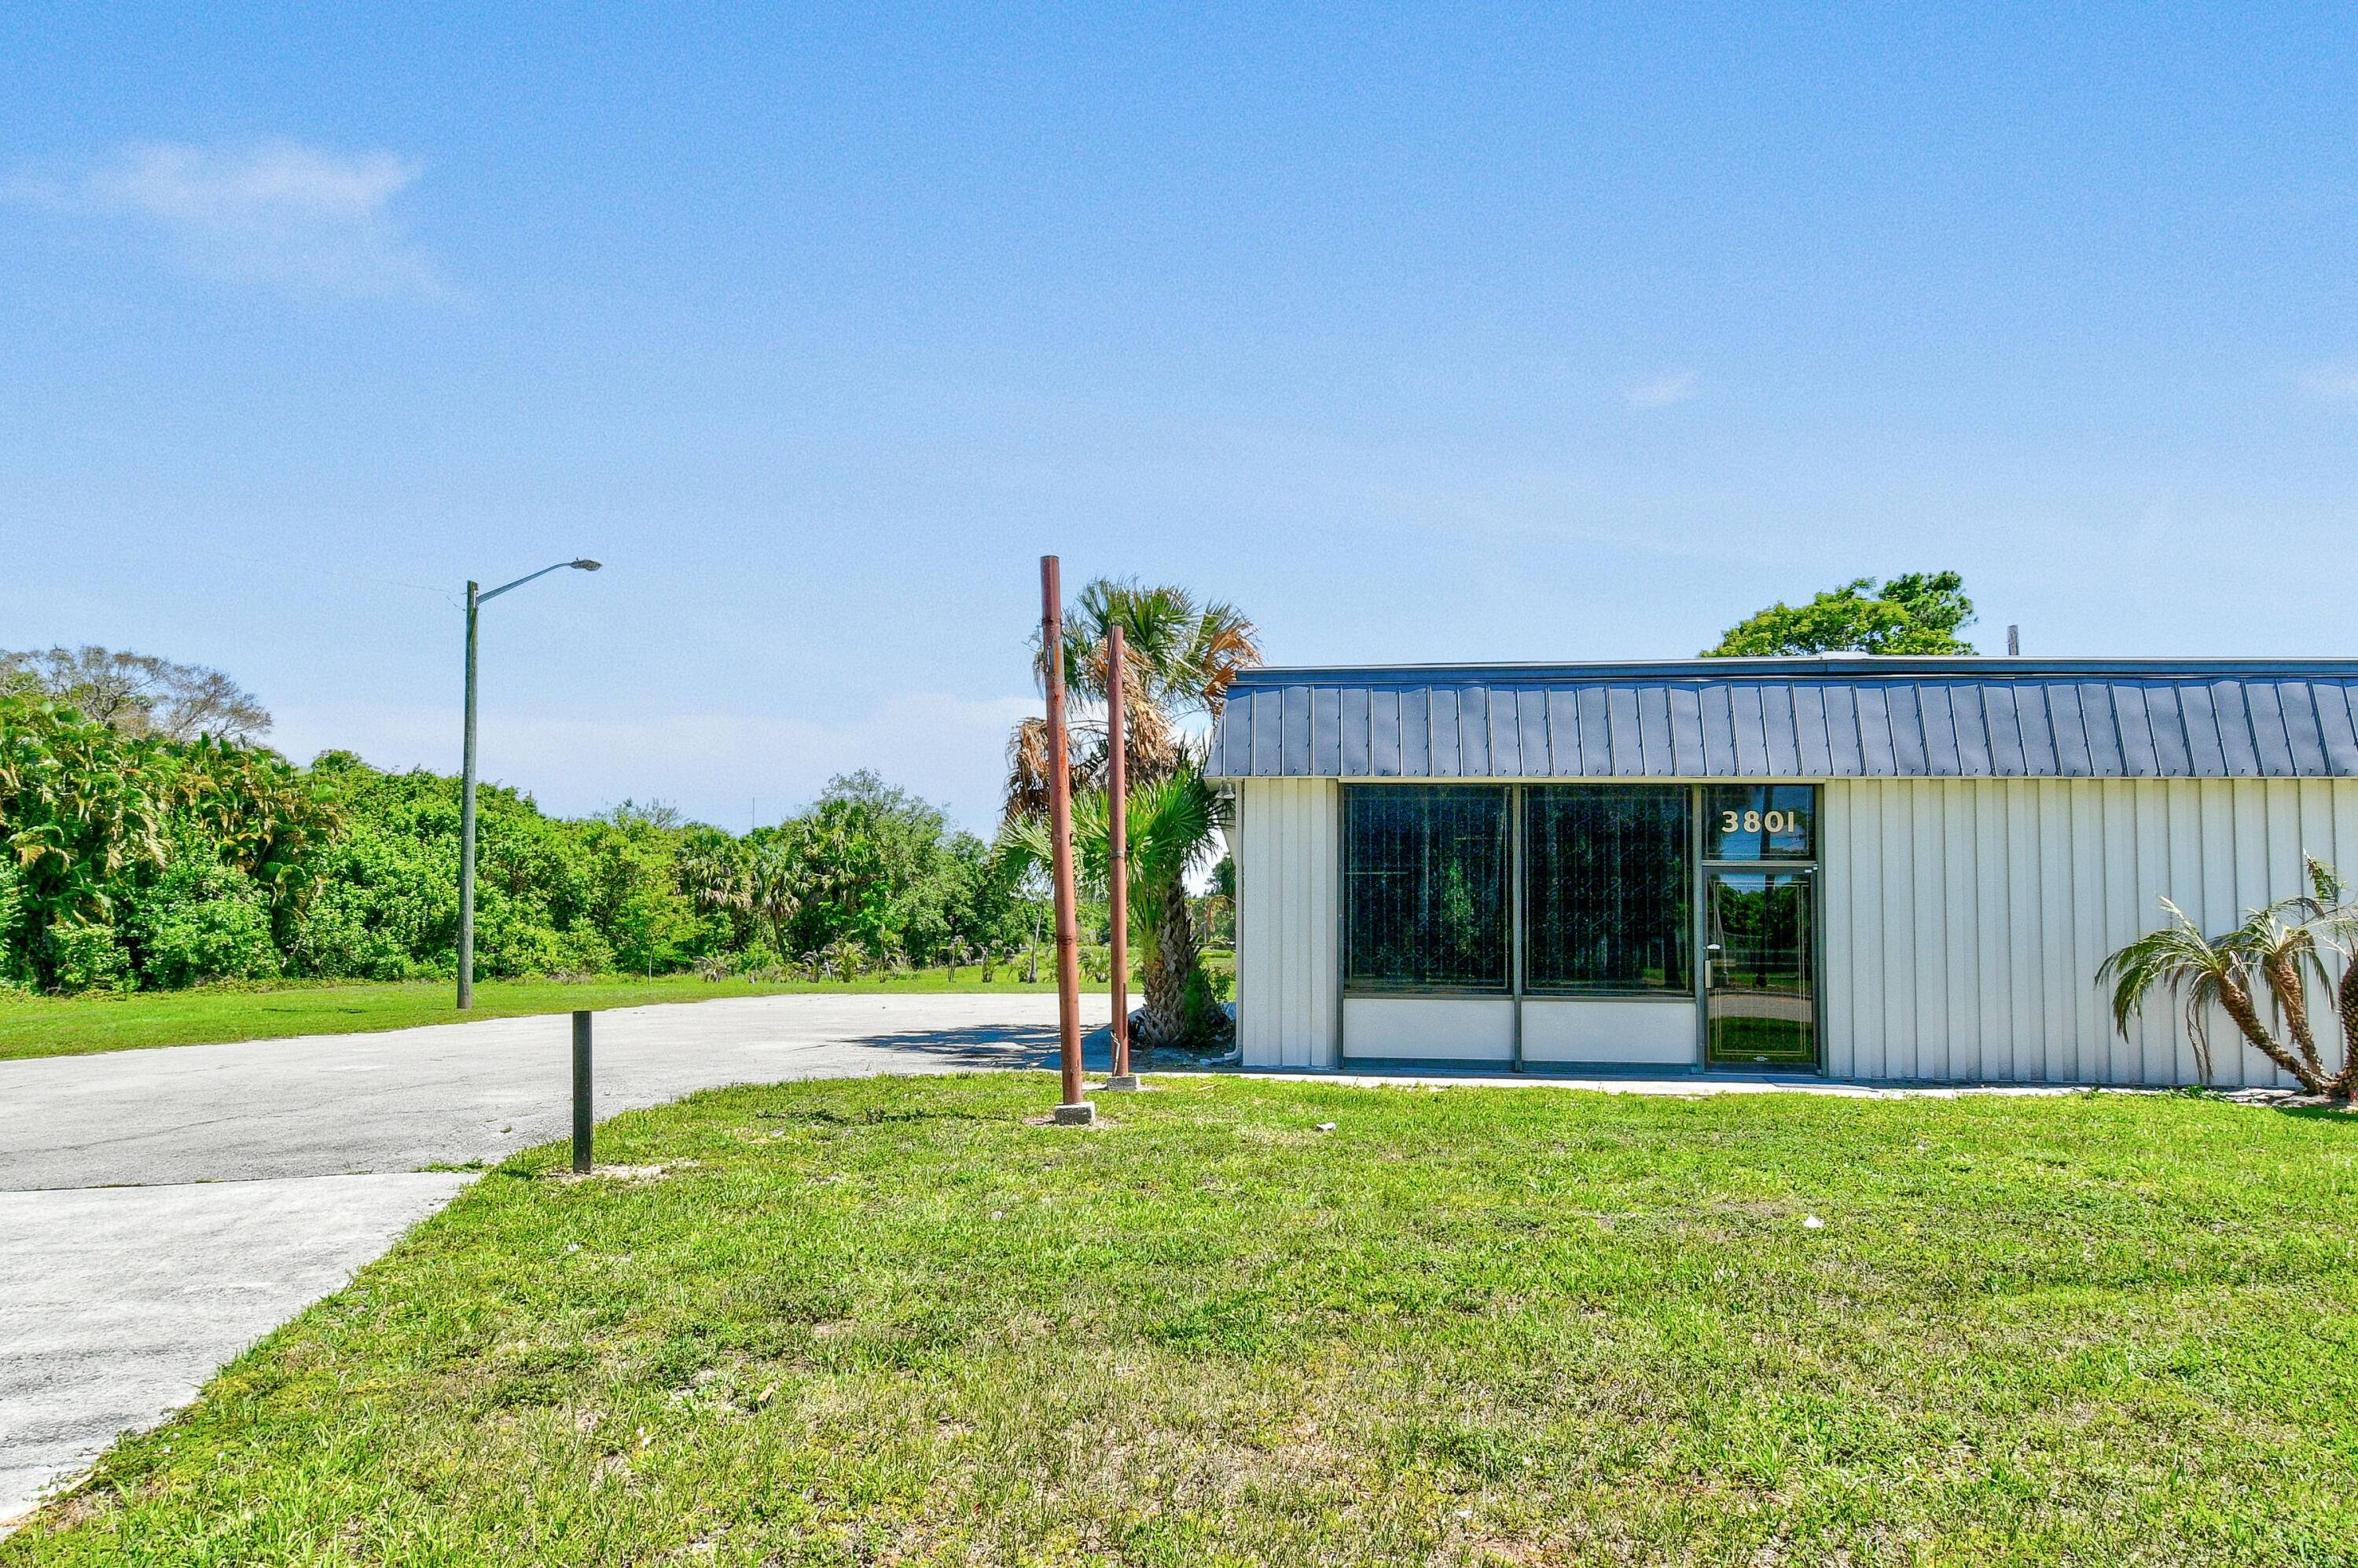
2284	980
1168	957
2235	1000
1178	944
2346	1001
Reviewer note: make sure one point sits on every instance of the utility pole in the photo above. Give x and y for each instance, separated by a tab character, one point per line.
1118	861
1074	1111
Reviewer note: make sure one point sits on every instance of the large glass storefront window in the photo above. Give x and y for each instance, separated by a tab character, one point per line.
1612	891
1608	888
1424	886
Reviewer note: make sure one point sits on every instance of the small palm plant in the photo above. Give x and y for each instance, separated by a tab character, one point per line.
1173	829
2280	950
2200	972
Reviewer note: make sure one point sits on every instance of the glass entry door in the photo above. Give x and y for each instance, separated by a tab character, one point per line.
1759	968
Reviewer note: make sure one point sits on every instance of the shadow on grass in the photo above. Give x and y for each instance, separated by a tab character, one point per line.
2342	1115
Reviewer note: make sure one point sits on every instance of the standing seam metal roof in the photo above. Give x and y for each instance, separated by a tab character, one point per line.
1849	717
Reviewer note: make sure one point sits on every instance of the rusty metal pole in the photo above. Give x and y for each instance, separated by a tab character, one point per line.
1118	861
1073	1110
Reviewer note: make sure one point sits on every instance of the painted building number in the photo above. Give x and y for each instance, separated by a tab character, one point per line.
1759	821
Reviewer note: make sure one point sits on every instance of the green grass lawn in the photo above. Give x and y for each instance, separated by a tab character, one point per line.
65	1026
893	1321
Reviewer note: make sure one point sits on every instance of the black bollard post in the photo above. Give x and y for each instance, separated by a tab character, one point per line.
581	1134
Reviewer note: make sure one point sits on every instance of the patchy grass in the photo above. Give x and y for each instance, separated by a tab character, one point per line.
68	1026
891	1321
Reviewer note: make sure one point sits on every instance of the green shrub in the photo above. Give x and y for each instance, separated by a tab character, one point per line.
16	971
200	919
85	956
187	943
1207	1022
129	860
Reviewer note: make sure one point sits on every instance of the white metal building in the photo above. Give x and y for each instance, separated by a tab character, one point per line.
1869	868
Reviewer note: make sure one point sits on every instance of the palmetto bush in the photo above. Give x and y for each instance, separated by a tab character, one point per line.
2263	976
1172	829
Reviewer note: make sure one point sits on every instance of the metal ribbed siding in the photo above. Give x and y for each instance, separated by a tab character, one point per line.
1819	722
1289	887
1965	920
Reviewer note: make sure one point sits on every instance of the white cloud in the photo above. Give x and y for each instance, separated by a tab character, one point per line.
1662	391
952	750
317	223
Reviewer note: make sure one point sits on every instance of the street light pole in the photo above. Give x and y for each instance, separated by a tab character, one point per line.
476	599
467	824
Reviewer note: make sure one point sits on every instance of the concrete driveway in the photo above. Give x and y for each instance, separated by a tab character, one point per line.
161	1210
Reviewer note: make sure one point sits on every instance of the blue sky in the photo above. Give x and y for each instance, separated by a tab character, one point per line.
1419	333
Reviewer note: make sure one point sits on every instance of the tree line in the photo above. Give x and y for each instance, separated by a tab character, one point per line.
138	858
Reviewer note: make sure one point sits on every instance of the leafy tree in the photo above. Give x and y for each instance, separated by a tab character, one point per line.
261	814
138	694
636	897
1917	612
202	918
82	809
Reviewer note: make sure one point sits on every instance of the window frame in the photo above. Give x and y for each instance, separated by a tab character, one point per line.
1509	862
1516	895
1689	868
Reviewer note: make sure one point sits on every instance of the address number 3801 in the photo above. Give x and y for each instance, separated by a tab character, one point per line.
1759	821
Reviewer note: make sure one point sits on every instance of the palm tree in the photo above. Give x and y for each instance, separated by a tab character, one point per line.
774	886
2331	921
2207	971
1172	829
1182	655
2200	972
2284	951
711	869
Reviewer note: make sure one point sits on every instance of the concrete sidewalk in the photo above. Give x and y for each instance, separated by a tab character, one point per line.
121	1300
162	1209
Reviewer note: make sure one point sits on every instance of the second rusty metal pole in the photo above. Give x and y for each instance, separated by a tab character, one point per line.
1073	1109
1118	861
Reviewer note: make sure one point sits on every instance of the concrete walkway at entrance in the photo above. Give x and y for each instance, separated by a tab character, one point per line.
121	1300
161	1210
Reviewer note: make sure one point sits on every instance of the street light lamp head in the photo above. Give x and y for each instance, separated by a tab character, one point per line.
584	565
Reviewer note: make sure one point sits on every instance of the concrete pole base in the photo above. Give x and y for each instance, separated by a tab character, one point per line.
1082	1114
1122	1084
